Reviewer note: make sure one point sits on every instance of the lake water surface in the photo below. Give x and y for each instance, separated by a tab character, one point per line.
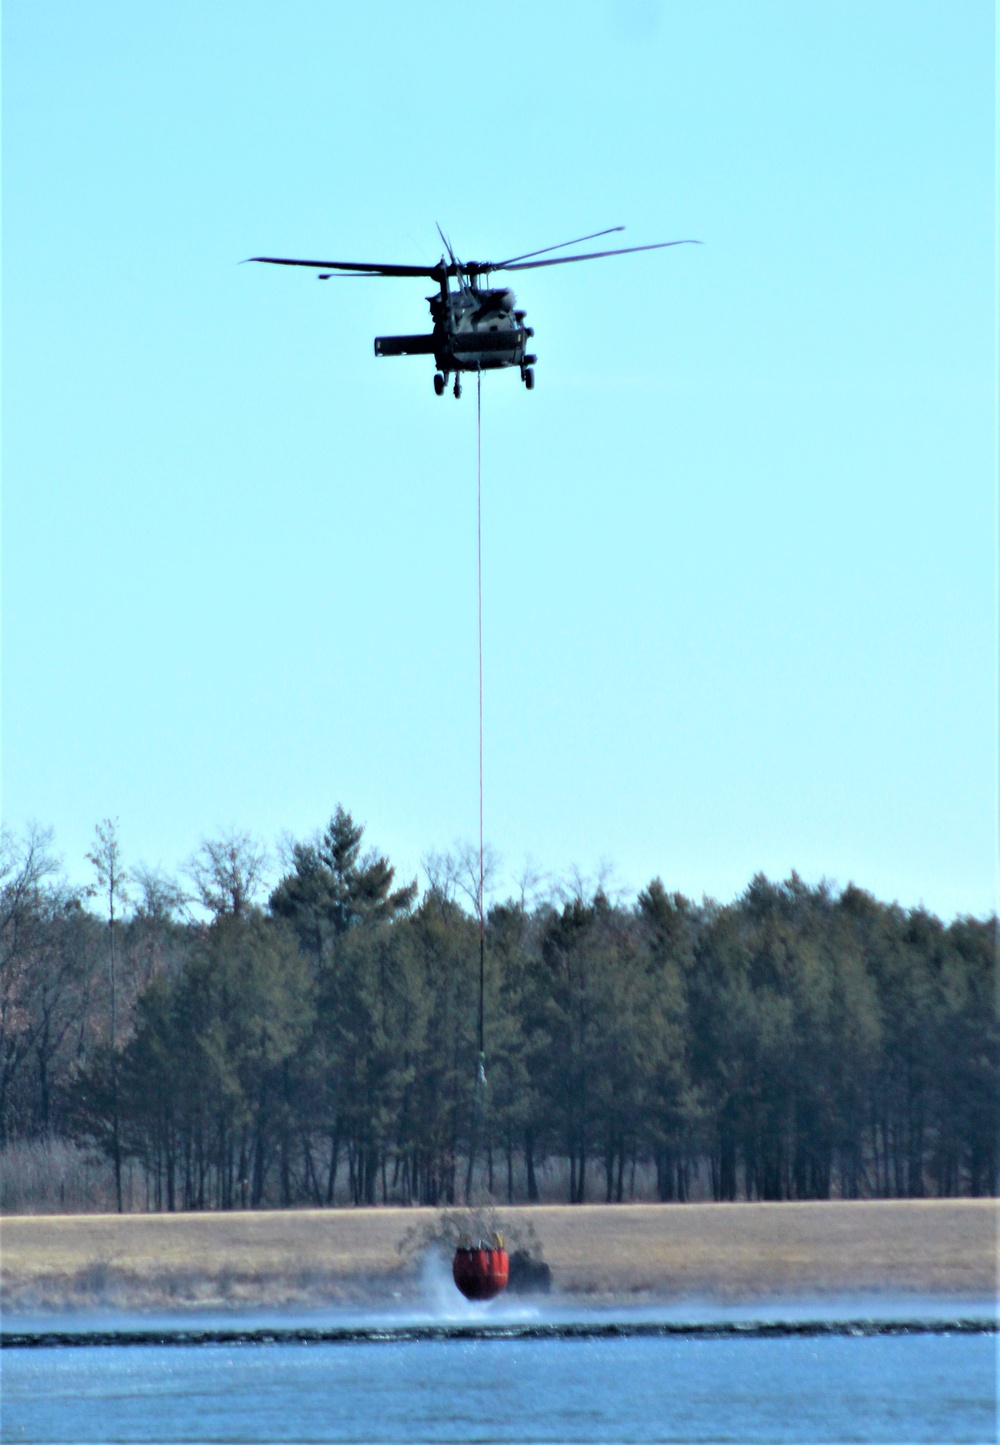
937	1387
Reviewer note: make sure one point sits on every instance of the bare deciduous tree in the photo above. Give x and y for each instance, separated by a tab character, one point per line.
25	865
228	872
112	885
457	873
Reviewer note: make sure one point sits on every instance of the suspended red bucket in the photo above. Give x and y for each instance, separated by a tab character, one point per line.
481	1269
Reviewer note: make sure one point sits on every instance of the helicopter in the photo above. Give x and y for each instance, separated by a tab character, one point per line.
477	327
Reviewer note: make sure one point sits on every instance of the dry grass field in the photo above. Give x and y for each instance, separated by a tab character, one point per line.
309	1257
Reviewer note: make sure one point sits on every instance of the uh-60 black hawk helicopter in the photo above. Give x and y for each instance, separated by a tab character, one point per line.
477	327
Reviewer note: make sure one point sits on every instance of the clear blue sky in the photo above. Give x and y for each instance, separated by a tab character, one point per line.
738	543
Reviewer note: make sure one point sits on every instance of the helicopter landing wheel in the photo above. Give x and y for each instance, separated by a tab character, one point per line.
458	386
439	383
529	379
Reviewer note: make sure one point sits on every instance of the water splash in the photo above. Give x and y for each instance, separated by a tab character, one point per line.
441	1302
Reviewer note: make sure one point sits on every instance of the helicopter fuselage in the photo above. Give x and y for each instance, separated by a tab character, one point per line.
476	328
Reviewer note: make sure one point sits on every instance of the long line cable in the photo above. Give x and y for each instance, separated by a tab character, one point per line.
479	1106
479	581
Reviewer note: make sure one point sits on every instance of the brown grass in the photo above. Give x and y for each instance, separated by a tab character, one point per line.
311	1256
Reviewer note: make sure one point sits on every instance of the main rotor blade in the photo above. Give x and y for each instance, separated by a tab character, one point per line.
447	244
372	268
578	242
593	256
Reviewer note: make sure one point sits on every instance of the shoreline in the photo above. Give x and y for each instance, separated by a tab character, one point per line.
636	1252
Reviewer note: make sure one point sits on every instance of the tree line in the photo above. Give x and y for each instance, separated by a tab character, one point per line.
801	1042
